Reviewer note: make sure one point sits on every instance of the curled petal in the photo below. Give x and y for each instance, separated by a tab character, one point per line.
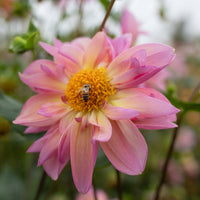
121	43
102	128
126	149
157	55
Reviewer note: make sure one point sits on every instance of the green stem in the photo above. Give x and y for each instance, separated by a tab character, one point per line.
107	15
119	187
95	189
41	185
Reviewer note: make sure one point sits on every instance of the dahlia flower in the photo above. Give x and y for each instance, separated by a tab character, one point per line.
77	119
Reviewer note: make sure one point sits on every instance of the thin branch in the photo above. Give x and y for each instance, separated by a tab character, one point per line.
79	27
95	189
107	15
194	92
42	180
171	148
119	187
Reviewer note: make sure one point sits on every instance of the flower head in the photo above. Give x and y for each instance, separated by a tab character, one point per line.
89	96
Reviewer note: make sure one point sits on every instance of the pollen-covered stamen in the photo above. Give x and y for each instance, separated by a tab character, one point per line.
87	99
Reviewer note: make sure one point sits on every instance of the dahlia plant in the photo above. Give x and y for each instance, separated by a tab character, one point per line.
90	95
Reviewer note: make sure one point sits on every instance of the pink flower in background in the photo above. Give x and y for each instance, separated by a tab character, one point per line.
89	96
175	174
130	25
186	140
178	67
90	195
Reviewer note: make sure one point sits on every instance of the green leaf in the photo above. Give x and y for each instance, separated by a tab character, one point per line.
105	3
9	108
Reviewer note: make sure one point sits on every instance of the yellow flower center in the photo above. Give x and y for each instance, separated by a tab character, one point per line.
89	89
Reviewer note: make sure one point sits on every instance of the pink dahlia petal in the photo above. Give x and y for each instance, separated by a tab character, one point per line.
52	109
82	156
154	59
35	67
155	123
126	149
158	55
122	63
37	145
73	56
62	55
50	146
59	73
102	128
66	121
29	115
64	148
57	43
81	42
150	92
119	113
121	43
129	25
53	167
99	51
41	82
147	105
32	129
